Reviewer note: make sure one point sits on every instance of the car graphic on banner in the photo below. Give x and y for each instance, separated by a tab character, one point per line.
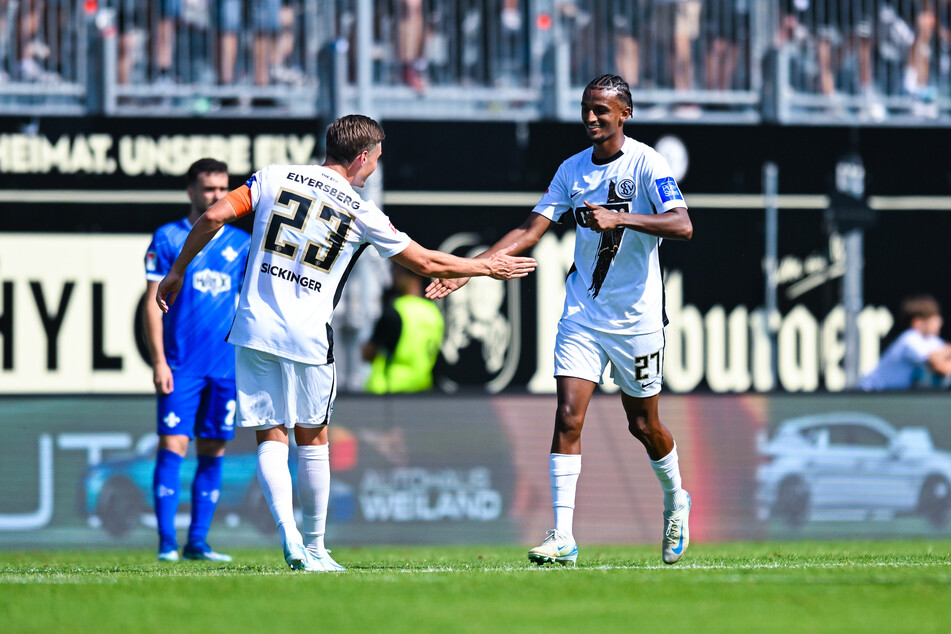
851	466
117	492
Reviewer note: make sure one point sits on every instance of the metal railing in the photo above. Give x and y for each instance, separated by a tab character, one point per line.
231	57
739	61
683	58
465	59
862	60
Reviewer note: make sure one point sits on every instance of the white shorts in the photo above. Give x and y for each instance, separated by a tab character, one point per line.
276	391
637	361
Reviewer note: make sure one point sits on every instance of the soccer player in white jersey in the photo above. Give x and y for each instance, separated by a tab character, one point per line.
309	229
625	201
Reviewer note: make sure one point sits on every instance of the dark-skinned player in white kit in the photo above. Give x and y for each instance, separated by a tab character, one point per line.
625	201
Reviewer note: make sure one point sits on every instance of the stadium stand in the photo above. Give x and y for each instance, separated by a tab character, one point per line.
865	62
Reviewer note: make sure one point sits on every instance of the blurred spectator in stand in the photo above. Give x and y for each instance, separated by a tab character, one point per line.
169	13
40	53
359	309
406	340
5	39
130	22
678	26
919	357
195	40
865	21
590	52
410	39
505	47
626	19
846	30
792	21
894	41
931	16
829	38
229	23
727	29
511	17
284	69
265	23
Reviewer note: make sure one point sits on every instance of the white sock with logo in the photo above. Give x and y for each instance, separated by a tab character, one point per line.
275	480
313	482
563	471
667	470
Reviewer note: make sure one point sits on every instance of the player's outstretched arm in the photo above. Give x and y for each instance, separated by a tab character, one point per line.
440	288
210	222
428	263
525	236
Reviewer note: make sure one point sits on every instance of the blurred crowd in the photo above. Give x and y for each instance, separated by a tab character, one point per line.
834	49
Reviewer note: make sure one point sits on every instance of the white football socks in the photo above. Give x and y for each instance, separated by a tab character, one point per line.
667	470
275	480
313	481
563	471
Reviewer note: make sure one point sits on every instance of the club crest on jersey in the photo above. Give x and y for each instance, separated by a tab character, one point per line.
626	188
214	282
667	189
229	254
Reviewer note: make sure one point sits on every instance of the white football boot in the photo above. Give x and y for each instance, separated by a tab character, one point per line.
204	553
676	533
297	557
557	548
325	563
168	555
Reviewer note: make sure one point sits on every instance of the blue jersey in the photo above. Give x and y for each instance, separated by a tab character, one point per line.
196	326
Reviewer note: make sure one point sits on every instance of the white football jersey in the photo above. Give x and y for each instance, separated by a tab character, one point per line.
904	364
309	228
616	283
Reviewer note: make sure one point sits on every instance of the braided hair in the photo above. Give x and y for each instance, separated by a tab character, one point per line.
612	82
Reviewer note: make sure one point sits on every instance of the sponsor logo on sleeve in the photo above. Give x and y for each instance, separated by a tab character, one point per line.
150	259
667	189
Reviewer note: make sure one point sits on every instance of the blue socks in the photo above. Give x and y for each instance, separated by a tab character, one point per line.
205	489
166	484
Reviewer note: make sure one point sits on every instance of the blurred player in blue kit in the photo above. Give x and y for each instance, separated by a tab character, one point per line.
192	363
625	201
310	226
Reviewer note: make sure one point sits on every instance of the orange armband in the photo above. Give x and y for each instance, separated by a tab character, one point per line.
240	199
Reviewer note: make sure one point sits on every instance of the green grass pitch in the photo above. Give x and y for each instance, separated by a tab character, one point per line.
847	586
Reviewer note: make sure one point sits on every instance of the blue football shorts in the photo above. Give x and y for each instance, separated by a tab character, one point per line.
198	406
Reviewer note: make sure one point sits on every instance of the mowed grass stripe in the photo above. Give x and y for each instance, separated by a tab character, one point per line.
893	586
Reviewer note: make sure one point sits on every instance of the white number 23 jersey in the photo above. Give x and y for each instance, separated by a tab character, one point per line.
309	228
